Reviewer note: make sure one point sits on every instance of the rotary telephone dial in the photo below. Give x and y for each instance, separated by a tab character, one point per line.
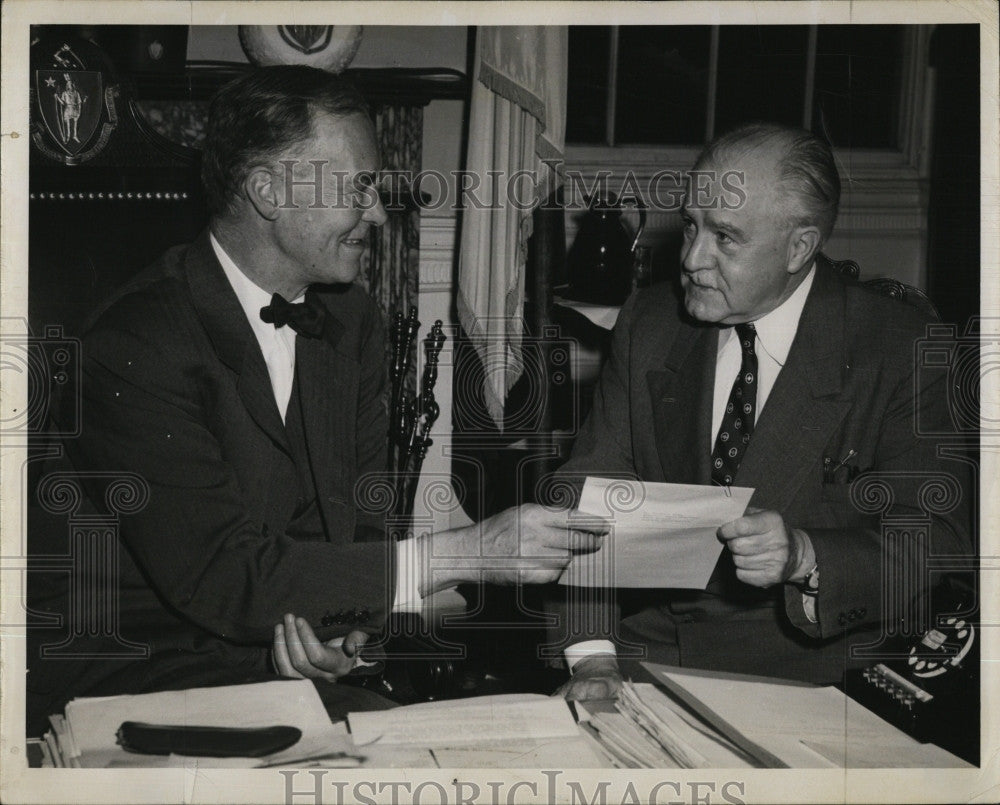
930	689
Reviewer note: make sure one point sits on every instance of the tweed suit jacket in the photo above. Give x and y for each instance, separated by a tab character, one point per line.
849	383
176	391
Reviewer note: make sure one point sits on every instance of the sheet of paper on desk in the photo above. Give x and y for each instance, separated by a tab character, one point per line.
663	535
94	722
795	724
467	722
556	753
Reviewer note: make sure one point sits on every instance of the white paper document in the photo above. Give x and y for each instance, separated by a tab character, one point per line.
691	742
519	717
797	725
94	722
663	535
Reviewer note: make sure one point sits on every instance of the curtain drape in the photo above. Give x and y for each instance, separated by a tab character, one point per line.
516	137
391	266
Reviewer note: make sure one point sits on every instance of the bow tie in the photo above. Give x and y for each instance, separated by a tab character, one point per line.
306	318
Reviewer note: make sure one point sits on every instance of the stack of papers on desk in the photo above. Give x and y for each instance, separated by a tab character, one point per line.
777	723
87	736
663	535
506	731
649	729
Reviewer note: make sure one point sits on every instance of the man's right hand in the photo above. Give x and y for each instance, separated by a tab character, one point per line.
543	539
297	652
527	544
594	677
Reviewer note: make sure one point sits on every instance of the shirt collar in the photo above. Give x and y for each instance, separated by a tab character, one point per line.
776	330
252	297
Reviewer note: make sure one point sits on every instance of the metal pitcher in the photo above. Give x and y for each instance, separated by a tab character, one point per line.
601	258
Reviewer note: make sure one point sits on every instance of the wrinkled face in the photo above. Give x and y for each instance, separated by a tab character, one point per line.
736	250
328	205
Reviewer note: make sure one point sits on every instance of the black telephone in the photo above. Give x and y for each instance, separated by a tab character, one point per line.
931	688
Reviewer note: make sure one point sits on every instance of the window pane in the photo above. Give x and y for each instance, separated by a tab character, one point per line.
662	84
858	79
762	73
587	96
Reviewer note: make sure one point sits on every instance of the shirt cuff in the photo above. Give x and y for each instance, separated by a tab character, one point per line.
809	607
578	651
407	575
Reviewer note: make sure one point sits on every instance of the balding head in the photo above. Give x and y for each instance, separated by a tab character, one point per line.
808	187
743	259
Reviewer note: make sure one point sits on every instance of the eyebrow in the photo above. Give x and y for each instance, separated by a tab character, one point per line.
715	223
727	225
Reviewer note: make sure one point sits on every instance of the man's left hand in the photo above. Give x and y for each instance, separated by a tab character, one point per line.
299	653
765	551
593	677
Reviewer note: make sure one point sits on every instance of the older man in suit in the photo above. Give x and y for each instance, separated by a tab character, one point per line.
769	370
240	378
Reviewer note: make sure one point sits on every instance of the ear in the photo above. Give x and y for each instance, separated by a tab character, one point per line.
803	244
261	187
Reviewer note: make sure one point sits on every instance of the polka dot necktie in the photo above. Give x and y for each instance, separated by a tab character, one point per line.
738	418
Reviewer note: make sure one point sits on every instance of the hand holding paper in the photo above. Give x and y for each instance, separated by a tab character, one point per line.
765	551
663	535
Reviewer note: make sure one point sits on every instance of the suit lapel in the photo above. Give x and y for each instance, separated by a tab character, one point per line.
222	315
804	406
327	379
681	421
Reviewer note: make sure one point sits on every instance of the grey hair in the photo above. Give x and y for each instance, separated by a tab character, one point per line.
806	168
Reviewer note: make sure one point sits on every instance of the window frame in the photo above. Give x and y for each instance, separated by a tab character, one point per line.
883	210
913	125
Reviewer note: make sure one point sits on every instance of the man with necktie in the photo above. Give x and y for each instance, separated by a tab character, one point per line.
767	370
241	379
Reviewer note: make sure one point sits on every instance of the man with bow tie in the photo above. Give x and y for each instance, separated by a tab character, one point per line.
241	377
770	370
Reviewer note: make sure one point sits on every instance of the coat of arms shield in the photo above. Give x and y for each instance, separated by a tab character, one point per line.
69	106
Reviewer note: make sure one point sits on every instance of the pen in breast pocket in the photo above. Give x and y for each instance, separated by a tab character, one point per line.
850	454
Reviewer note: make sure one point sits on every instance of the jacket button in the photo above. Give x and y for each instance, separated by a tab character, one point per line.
364	615
842	619
339	617
862	612
326	620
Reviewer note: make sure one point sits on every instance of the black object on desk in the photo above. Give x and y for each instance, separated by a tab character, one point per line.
930	688
160	739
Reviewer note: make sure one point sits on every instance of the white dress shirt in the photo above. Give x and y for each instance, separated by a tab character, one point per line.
278	347
276	343
775	334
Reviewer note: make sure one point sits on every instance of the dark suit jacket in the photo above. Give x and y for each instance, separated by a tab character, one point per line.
849	383
175	390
